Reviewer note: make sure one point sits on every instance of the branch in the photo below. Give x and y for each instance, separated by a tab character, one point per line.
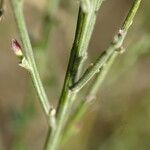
85	25
91	94
86	103
115	45
48	109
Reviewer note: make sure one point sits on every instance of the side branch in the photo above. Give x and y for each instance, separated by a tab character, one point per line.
114	47
17	6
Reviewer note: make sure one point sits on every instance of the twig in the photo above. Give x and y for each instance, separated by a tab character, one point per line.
48	109
86	103
115	45
91	94
85	25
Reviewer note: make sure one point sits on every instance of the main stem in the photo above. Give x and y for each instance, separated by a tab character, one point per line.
85	25
17	6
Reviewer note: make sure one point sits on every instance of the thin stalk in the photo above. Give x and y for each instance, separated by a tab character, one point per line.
85	25
86	22
17	6
115	45
134	54
91	95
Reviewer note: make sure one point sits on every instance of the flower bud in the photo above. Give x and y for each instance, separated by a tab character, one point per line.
16	48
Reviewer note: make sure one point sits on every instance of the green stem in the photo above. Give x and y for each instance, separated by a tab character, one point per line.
115	45
17	6
134	54
91	95
85	25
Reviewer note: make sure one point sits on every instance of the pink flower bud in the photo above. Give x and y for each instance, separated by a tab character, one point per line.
16	48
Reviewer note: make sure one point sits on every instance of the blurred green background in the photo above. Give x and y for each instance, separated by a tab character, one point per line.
120	117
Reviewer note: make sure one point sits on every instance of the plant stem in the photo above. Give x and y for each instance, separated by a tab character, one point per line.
91	95
134	54
115	45
17	6
85	25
